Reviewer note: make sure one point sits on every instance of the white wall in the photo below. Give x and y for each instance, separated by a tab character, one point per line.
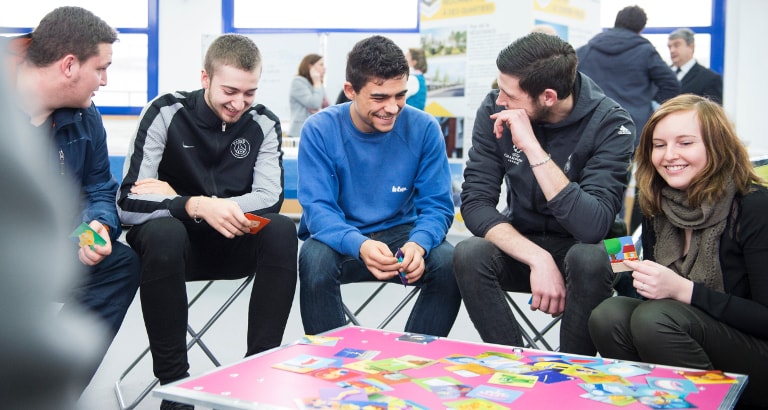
184	23
745	81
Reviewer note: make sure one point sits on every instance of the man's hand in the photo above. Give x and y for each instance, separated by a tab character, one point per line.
379	259
519	125
92	257
547	287
413	261
223	215
152	186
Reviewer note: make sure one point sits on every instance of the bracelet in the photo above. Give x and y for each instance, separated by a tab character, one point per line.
194	216
547	159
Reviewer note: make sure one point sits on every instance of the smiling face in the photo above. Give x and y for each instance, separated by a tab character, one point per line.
230	91
511	96
378	103
678	152
88	76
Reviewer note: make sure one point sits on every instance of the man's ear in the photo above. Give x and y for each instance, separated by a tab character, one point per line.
205	79
548	98
349	91
68	65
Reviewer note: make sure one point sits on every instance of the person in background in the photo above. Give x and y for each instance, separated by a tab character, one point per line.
563	148
627	66
58	68
417	85
694	77
374	180
198	162
705	242
307	95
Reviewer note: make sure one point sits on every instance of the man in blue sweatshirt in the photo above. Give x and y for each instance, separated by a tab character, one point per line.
374	179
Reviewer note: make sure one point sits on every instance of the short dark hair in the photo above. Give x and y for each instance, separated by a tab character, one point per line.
376	57
540	61
631	18
68	30
234	50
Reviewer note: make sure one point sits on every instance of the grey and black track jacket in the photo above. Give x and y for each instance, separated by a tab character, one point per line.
181	141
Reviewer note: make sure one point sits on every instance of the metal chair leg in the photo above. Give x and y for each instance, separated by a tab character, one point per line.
195	340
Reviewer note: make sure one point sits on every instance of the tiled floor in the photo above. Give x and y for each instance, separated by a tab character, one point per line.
227	338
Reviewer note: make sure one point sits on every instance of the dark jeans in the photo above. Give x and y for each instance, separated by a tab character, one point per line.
673	333
484	273
107	289
173	252
322	271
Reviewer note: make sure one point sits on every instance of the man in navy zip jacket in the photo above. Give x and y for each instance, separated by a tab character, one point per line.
627	67
59	67
198	162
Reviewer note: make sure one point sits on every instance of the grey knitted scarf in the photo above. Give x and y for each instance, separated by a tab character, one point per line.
702	262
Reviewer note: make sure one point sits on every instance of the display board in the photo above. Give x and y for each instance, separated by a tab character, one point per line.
355	368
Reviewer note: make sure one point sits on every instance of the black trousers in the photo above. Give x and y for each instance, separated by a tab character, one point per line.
673	333
173	252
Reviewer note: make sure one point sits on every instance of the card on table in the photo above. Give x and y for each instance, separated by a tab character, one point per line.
257	222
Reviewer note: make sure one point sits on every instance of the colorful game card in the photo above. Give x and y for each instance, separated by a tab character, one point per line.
417	338
469	369
623	369
604	378
707	377
304	364
358	354
607	389
612	399
257	222
342	394
392	364
364	366
396	403
390	378
516	380
335	374
680	387
550	376
474	404
318	340
86	236
659	402
417	361
429	383
494	394
619	250
370	386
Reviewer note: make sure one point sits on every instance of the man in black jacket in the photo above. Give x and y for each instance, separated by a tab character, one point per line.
563	149
694	77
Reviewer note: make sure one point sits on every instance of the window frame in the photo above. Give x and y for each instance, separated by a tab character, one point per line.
152	33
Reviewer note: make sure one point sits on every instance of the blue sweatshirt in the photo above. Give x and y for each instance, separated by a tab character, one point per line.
352	184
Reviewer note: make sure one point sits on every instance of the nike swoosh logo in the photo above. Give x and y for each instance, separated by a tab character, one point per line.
187	146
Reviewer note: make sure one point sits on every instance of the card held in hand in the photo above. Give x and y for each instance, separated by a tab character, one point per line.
257	222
